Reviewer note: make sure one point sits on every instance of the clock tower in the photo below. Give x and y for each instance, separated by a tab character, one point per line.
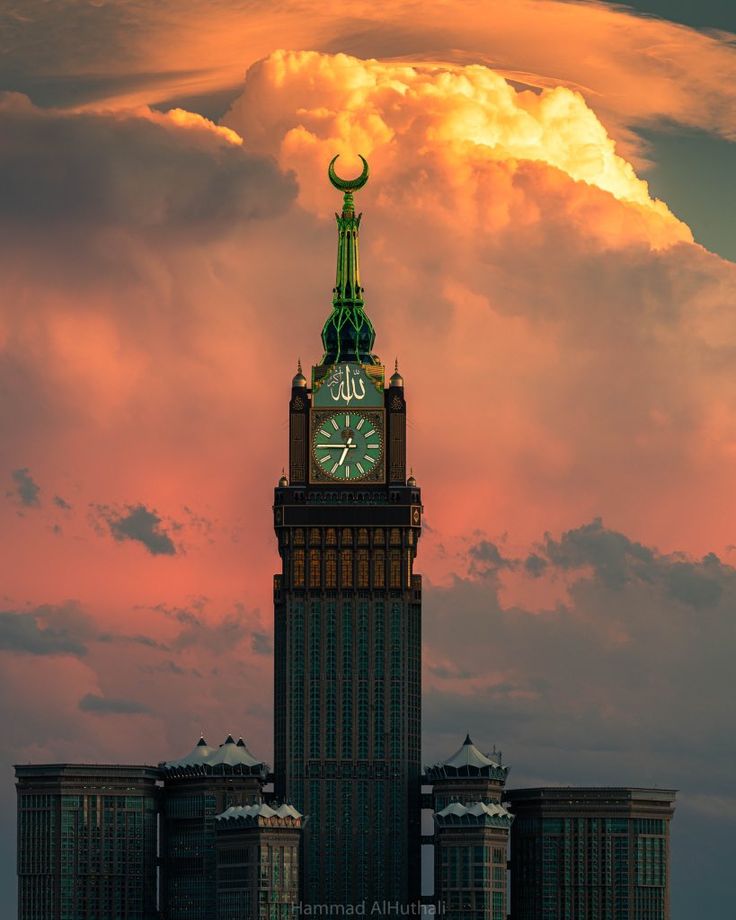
348	610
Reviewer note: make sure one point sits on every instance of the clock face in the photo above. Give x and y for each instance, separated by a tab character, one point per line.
347	445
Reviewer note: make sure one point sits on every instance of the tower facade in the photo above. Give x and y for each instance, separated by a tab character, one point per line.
197	788
471	835
258	854
348	610
584	853
86	841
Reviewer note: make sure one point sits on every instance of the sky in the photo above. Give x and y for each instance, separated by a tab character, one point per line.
547	249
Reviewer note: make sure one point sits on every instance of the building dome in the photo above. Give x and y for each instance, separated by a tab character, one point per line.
283	481
396	379
411	481
299	379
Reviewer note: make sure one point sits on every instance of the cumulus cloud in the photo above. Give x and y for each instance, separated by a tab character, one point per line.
635	69
26	488
141	525
100	705
458	123
629	669
138	168
45	630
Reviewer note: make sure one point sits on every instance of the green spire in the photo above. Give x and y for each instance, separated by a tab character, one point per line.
348	334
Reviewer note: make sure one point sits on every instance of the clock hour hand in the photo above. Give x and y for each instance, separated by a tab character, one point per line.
348	445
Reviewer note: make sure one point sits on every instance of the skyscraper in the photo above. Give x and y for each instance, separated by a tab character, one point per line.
258	855
197	788
86	842
348	609
590	853
471	835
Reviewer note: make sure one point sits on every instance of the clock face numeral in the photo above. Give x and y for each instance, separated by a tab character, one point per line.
347	446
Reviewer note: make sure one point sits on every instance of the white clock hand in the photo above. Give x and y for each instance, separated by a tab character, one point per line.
332	446
348	445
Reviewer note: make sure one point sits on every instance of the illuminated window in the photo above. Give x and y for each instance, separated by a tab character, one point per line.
378	535
362	568
331	568
298	568
395	536
299	536
395	576
362	536
379	569
331	537
346	568
347	535
314	568
314	536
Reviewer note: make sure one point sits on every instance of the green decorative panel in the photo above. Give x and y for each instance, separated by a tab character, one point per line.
347	384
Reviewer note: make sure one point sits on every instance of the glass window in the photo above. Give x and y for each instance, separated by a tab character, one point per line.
362	568
314	536
331	568
346	568
379	569
378	535
347	535
395	536
331	537
299	536
362	536
314	568
395	576
298	568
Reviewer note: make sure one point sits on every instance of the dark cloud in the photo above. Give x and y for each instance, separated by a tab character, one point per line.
261	643
102	705
628	679
46	630
26	489
141	525
535	565
134	169
612	556
62	503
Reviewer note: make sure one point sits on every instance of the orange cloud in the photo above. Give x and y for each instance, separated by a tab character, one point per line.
464	135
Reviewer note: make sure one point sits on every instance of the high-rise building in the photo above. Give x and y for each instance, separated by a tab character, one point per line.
258	852
590	853
86	842
348	610
197	788
471	835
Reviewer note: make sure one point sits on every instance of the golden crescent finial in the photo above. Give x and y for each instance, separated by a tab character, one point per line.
348	185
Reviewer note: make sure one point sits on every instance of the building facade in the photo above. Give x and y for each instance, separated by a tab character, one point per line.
471	835
87	842
258	855
590	853
197	788
348	611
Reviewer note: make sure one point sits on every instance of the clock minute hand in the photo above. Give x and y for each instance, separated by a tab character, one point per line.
339	446
348	445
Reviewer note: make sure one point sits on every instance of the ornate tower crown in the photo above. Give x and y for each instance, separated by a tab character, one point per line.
348	334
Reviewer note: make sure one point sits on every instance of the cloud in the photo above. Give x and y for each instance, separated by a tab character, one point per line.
45	630
100	705
634	69
598	687
261	643
462	122
175	171
141	525
26	488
